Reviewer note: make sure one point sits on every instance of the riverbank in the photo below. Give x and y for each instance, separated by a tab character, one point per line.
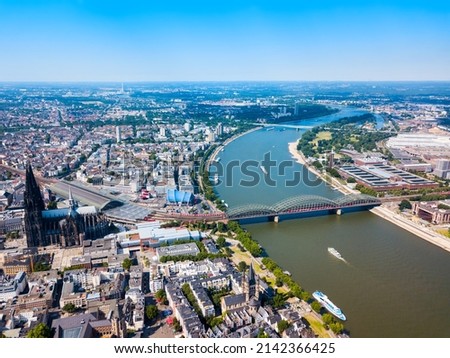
415	228
213	156
300	158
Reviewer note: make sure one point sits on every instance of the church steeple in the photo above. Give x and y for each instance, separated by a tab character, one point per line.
32	195
250	284
34	205
72	205
251	274
71	201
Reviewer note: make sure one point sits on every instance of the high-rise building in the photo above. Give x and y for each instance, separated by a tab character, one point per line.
442	168
187	126
211	137
330	159
443	164
118	134
162	131
297	109
219	129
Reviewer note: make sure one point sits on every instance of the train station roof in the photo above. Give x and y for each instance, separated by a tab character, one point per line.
85	195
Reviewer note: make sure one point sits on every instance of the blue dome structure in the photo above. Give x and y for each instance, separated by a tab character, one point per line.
180	197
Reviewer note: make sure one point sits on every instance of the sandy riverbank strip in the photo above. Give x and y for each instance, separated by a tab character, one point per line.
415	228
300	158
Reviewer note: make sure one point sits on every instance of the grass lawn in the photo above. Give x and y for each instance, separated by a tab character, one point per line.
354	138
323	135
316	326
239	256
443	232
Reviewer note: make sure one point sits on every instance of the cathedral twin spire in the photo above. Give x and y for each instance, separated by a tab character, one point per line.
34	205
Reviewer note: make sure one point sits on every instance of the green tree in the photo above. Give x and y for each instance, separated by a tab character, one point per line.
214	321
365	190
151	311
282	326
305	296
278	282
316	306
279	300
262	334
69	308
337	327
41	266
221	227
160	295
404	204
351	180
242	266
176	325
40	331
328	318
221	241
52	205
127	263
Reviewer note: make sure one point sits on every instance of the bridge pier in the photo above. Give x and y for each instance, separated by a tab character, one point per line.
339	212
276	219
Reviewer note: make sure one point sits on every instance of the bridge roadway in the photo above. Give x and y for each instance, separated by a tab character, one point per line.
268	125
285	209
288	208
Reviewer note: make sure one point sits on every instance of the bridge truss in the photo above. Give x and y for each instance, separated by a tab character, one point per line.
301	204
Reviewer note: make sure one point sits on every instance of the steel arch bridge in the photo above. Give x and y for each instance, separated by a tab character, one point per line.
302	204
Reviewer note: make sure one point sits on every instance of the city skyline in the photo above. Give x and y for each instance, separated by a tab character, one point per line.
78	41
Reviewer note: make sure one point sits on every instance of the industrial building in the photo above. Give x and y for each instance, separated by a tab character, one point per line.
436	212
382	177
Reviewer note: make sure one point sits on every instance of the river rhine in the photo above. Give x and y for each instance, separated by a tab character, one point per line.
394	284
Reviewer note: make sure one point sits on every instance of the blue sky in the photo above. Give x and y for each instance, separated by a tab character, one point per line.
132	40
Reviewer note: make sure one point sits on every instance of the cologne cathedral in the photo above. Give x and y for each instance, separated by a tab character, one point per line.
65	227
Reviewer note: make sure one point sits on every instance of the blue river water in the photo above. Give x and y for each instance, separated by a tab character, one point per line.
394	284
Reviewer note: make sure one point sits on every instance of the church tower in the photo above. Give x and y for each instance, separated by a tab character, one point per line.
250	284
34	205
70	226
